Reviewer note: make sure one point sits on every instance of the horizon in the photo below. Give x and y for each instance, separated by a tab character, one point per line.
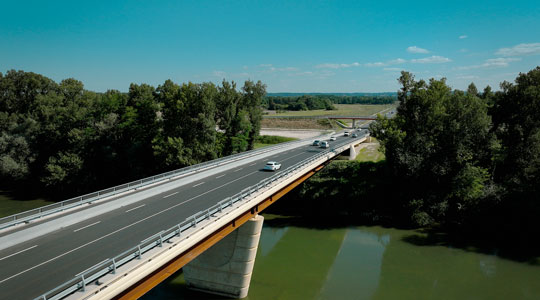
298	47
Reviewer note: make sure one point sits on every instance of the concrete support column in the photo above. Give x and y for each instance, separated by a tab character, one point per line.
225	269
354	123
352	153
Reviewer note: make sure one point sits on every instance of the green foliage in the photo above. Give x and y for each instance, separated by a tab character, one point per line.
439	147
273	139
314	102
64	140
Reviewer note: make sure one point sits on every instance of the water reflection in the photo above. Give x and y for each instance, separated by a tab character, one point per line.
295	262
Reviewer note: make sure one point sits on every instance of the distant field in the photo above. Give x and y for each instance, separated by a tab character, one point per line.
342	110
296	123
10	206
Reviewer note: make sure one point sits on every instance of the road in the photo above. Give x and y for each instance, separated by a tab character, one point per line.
32	268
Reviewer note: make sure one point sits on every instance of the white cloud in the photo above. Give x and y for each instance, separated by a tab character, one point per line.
463	36
286	69
396	61
520	50
306	73
220	74
435	59
414	49
336	66
468	77
492	63
375	64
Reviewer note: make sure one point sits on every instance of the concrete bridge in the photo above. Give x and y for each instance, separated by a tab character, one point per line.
121	242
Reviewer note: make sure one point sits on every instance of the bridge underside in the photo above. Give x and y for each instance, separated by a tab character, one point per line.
168	269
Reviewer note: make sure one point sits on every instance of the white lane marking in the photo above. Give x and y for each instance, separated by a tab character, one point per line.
125	227
170	195
252	164
238	170
220	176
18	252
135	208
198	184
86	226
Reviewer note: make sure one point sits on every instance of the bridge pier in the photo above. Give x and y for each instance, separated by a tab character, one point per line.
352	153
225	269
354	123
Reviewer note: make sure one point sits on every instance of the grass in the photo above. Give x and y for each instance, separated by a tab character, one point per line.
342	110
370	152
10	205
269	140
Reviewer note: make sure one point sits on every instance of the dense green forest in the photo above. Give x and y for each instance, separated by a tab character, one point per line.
324	101
58	138
466	161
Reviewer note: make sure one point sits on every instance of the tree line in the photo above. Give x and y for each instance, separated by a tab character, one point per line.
313	102
466	159
60	139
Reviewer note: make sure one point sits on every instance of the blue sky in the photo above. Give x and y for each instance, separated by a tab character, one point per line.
292	46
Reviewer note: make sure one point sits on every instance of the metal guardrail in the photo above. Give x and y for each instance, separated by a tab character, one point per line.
40	212
81	280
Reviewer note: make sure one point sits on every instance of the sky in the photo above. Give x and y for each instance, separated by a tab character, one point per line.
291	46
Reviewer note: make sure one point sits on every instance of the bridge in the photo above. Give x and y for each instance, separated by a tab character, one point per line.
120	242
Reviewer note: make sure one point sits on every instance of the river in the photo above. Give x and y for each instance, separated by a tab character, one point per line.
298	262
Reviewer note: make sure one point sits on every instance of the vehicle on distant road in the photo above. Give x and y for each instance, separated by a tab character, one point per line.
316	143
346	133
325	144
354	135
332	138
272	166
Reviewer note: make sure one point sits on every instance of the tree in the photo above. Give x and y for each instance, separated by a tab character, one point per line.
438	146
252	98
516	112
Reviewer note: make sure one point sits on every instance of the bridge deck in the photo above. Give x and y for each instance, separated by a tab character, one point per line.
31	268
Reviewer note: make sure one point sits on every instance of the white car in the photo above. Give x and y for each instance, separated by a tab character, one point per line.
272	166
332	138
325	144
346	133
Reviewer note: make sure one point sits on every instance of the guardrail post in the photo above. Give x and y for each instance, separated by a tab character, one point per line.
194	222
220	207
179	230
208	214
139	252
161	239
83	283
114	265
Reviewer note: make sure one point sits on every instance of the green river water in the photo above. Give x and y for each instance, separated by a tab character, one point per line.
295	262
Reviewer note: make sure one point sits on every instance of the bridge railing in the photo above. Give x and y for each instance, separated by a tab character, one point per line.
110	266
43	211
